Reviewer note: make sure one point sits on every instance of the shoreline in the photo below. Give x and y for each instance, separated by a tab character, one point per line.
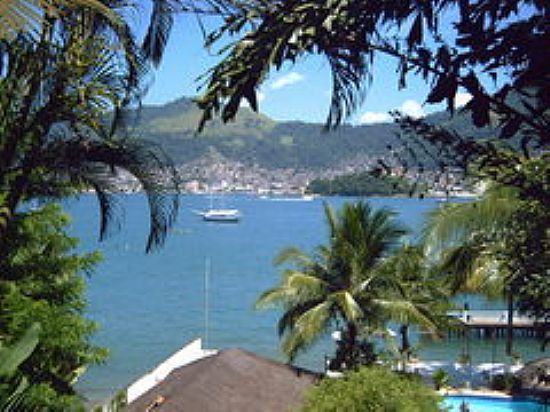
481	392
275	195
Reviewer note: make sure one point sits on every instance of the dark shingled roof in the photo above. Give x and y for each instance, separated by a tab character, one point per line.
231	380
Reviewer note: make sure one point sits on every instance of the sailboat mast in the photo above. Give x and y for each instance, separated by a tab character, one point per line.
207	266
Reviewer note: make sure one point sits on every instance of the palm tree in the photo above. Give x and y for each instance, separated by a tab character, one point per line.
55	95
340	283
469	239
68	62
417	286
312	298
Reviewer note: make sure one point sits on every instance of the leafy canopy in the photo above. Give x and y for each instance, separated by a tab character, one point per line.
498	244
56	92
42	281
371	389
502	39
13	387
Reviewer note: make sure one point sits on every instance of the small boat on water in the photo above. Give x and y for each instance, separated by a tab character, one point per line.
221	215
302	198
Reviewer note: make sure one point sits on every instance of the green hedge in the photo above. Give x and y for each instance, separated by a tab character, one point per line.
372	389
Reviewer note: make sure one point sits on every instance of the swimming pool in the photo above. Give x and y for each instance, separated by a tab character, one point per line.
489	404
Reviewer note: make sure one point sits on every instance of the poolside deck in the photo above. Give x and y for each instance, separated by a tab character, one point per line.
474	376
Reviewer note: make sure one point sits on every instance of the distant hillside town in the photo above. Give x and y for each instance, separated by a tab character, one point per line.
256	154
228	176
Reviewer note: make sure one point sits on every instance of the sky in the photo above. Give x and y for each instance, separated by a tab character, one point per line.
297	92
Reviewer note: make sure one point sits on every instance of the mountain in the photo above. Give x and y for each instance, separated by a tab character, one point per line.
255	139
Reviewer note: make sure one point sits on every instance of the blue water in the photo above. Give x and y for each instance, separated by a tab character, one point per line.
149	306
488	404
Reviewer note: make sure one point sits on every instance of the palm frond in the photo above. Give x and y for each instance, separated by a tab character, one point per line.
292	344
27	16
292	254
488	277
313	321
405	312
160	25
110	213
307	329
295	288
364	284
273	297
4	215
95	5
18	16
452	223
97	161
472	267
347	305
331	219
12	357
349	71
309	283
292	313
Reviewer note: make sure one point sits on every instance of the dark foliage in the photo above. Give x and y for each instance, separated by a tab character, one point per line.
360	184
503	39
372	389
42	282
55	92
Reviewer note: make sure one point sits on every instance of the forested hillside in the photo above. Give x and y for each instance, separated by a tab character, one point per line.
256	139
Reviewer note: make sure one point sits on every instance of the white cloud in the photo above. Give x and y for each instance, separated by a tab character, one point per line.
374	117
412	108
409	107
287	80
461	99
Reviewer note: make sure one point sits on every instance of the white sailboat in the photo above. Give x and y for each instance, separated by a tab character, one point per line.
213	214
221	215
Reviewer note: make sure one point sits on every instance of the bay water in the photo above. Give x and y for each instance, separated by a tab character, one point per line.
150	305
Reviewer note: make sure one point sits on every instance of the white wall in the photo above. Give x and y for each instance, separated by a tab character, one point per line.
189	353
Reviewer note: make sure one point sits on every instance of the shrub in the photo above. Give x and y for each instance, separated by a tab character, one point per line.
372	389
441	379
507	382
41	280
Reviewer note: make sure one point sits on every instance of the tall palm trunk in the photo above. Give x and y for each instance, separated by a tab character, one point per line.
352	341
510	324
347	353
405	342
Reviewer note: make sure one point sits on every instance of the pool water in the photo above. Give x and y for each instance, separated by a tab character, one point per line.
488	404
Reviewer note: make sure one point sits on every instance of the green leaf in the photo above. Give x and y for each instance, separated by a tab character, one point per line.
348	305
12	357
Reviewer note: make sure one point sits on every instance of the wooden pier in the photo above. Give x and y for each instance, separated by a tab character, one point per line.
494	323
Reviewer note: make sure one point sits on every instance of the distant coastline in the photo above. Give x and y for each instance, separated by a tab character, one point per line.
462	194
